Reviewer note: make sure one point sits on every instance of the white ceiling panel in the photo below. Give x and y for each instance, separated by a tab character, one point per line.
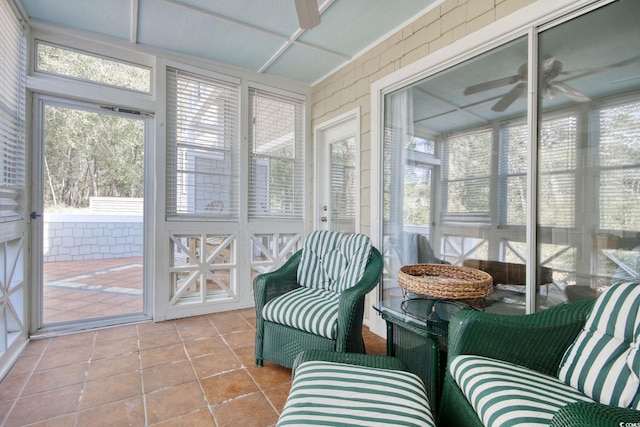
259	35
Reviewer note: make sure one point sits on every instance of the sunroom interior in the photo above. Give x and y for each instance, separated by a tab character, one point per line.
503	131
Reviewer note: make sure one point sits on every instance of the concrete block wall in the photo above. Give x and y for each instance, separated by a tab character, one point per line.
350	87
74	237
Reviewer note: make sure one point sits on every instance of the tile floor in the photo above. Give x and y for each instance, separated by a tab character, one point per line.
79	290
191	372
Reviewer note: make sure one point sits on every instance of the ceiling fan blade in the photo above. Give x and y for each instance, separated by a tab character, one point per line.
509	98
308	13
570	92
493	84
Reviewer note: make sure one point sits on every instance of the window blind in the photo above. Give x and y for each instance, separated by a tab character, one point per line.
202	146
557	151
12	114
618	157
276	135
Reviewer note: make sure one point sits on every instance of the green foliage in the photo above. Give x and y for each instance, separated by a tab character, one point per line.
89	154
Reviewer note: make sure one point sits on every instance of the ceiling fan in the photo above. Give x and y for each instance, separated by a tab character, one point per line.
308	13
551	69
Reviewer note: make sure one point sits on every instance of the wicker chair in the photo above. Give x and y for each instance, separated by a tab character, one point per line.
279	343
531	345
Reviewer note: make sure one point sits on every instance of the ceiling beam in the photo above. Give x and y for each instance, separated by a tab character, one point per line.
135	12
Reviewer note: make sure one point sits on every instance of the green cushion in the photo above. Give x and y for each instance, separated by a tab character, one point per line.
311	310
504	394
338	394
333	261
603	361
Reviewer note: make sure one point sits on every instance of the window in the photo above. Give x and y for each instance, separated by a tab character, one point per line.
12	116
467	169
79	65
277	159
203	145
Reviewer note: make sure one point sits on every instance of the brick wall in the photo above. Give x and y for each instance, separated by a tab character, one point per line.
349	88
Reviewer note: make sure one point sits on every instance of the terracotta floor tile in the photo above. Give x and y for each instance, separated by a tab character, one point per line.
50	379
197	332
234	412
163	376
162	355
115	348
226	386
24	365
241	339
107	367
155	327
116	333
128	412
269	375
201	418
5	407
202	346
229	322
278	395
63	421
246	355
173	402
213	364
63	358
192	322
111	389
43	406
66	342
159	339
36	347
11	387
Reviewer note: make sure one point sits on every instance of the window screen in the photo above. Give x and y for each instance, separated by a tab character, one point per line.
12	115
277	161
203	146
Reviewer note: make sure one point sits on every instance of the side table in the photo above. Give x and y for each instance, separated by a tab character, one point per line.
417	334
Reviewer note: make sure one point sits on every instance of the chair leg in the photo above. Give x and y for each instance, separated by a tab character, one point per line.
259	362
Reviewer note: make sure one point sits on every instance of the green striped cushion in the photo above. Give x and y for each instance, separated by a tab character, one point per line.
503	394
603	361
311	310
337	394
332	260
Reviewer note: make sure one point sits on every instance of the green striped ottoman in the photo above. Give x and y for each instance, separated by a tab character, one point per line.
338	394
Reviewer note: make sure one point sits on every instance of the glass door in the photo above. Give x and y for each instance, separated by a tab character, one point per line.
92	198
337	177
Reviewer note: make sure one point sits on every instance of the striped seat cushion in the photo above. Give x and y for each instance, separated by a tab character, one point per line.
333	261
336	394
504	394
311	310
603	362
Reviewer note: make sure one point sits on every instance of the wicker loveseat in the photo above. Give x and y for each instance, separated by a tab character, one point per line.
316	299
576	364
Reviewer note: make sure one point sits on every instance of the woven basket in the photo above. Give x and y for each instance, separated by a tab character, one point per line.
445	281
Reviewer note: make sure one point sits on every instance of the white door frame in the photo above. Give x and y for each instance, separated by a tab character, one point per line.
340	127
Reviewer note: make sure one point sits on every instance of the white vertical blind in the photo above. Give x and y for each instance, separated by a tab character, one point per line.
276	136
12	114
203	118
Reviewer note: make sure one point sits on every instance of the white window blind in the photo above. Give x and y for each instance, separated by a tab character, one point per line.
202	146
557	151
277	158
12	114
512	199
468	168
618	157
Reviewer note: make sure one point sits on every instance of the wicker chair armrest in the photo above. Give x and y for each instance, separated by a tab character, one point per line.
270	285
584	414
368	360
537	341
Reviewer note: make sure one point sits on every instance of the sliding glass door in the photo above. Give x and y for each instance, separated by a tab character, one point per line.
533	148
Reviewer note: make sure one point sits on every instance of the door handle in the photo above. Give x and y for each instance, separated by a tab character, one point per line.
34	215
